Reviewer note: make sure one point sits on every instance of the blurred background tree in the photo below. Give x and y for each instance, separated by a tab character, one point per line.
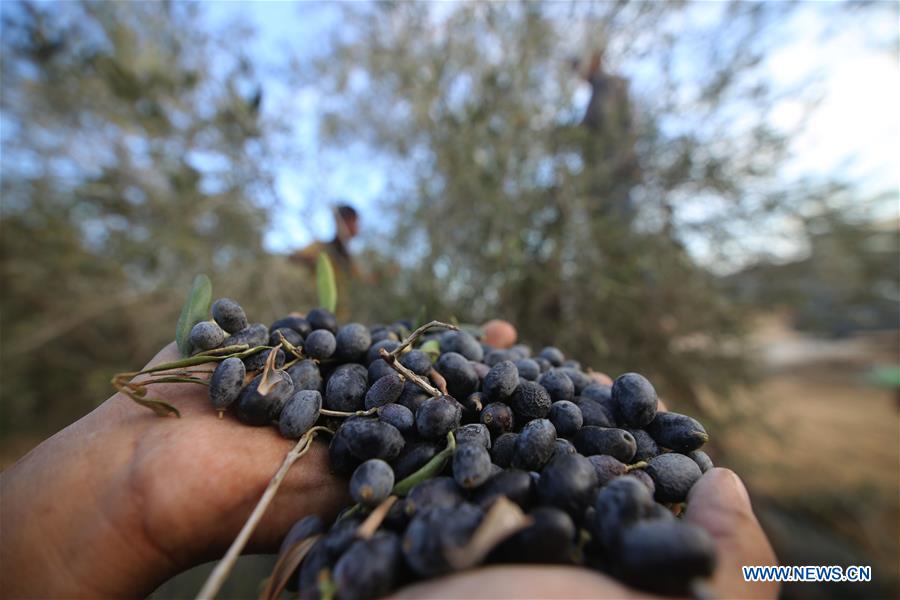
572	219
134	156
847	280
609	176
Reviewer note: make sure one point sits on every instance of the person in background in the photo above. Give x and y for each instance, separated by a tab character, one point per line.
609	148
346	222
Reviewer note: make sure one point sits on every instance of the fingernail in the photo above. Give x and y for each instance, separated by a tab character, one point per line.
740	487
726	485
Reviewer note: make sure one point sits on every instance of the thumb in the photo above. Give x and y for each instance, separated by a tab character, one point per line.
719	503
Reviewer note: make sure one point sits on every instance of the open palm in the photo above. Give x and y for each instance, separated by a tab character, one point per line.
152	496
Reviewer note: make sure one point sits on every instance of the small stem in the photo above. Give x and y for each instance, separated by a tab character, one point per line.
190	362
411	338
289	348
173	379
395	364
224	350
186	373
220	573
340	413
638	465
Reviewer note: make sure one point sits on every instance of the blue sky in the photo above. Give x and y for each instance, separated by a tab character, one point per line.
854	133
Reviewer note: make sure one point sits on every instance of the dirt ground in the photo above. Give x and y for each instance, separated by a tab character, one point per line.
819	447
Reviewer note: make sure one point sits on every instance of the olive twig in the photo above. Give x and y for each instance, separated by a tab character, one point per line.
642	464
411	338
185	373
137	390
406	373
225	350
198	359
289	348
220	573
173	379
340	413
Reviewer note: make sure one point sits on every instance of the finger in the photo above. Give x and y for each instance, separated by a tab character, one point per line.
720	504
521	581
310	488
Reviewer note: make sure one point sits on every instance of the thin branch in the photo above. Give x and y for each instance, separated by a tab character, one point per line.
395	364
340	413
220	573
224	350
411	338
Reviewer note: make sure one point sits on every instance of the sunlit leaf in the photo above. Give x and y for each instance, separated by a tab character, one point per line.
432	348
195	309
325	284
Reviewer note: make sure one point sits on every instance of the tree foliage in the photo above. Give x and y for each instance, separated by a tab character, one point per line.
134	157
573	220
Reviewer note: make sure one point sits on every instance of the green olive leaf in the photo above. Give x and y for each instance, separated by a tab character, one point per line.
325	284
428	470
432	348
195	309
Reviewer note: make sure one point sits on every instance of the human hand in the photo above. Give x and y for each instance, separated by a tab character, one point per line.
149	497
121	500
718	503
